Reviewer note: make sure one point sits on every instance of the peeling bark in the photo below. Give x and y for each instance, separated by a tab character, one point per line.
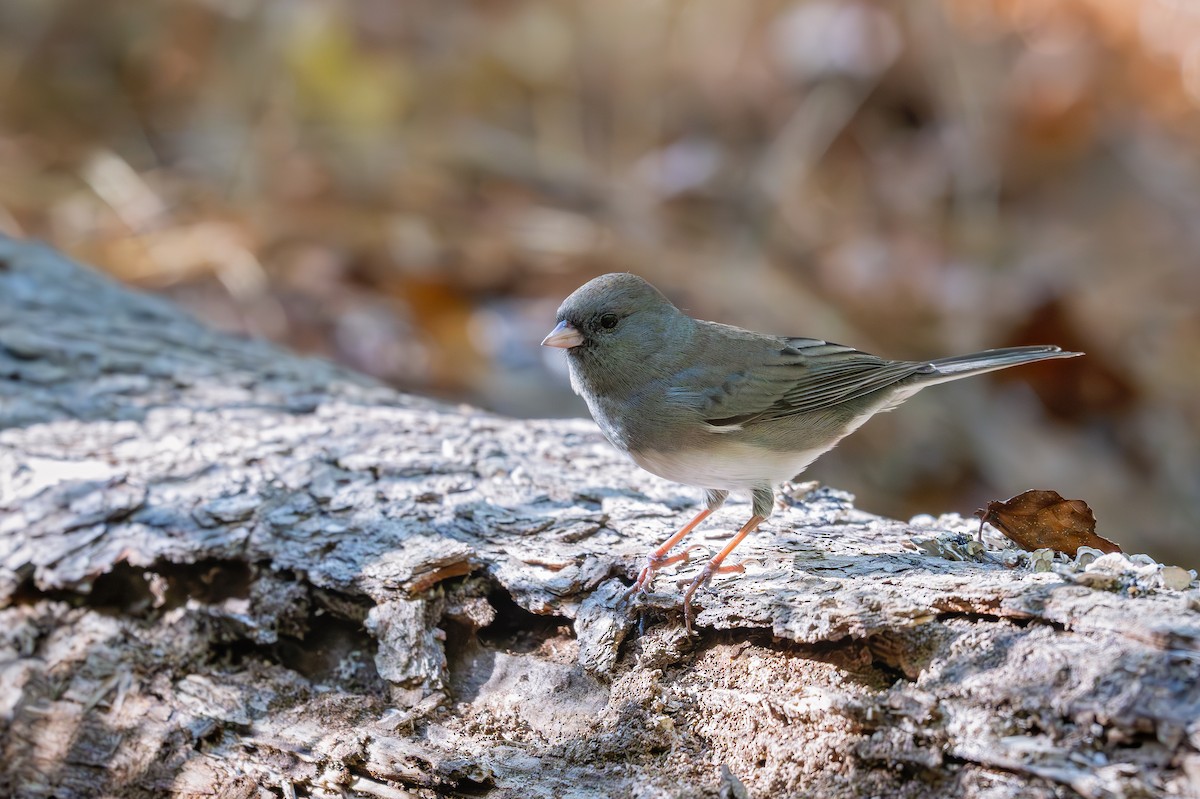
230	571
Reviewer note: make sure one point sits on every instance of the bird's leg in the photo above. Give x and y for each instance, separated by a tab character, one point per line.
713	499
714	567
658	558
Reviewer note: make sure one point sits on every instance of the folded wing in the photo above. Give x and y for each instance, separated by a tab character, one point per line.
785	377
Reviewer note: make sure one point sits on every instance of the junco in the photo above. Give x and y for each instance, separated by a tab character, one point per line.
726	409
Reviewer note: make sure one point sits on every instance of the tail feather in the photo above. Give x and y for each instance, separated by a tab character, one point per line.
976	363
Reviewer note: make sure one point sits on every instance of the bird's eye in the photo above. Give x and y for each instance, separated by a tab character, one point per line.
608	321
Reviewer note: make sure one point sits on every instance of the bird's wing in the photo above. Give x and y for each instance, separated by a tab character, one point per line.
777	378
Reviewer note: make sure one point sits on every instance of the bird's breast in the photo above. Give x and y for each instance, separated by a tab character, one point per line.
725	463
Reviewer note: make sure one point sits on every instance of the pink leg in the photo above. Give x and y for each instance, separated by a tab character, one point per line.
714	567
658	558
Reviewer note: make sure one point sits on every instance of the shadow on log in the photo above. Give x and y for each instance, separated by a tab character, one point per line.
229	571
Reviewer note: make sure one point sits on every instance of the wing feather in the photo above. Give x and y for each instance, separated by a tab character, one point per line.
801	375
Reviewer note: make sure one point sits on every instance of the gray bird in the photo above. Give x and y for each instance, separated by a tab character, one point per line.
726	409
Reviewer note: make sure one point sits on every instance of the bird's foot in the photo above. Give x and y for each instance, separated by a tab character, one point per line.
704	578
654	562
701	580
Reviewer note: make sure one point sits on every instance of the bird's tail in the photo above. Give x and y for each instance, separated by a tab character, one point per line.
976	363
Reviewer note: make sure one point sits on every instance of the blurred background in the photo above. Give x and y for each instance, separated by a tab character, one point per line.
410	188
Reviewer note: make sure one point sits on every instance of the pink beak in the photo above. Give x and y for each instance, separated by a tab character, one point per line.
564	336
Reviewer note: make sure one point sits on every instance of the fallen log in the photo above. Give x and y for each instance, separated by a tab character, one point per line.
230	571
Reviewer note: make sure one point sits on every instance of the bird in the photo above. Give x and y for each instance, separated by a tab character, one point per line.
725	409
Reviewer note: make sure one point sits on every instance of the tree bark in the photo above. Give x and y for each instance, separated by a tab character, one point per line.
230	571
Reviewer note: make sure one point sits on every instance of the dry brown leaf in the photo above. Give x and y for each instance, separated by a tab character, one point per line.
1044	520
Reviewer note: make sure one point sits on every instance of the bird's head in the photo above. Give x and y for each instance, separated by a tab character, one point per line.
617	323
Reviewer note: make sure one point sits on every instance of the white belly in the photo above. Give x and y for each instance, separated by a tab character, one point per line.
731	465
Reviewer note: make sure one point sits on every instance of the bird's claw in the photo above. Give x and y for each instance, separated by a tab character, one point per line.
654	562
634	590
642	583
701	580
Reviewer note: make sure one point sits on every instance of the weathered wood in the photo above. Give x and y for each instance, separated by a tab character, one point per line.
229	571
